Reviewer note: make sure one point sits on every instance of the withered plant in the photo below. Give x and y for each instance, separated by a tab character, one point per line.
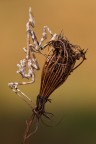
60	62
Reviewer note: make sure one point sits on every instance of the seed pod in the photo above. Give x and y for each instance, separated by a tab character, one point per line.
58	66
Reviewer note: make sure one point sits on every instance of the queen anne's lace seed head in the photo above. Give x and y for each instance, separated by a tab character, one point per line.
60	62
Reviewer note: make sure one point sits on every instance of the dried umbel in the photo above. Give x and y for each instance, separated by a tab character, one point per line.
60	62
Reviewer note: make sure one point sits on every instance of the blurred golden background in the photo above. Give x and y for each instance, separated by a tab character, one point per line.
76	99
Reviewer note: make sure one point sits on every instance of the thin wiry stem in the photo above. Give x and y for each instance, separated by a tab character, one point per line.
27	132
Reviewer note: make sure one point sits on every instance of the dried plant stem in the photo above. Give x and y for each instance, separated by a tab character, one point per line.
27	132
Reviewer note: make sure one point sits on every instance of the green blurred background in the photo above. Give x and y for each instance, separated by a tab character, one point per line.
75	100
